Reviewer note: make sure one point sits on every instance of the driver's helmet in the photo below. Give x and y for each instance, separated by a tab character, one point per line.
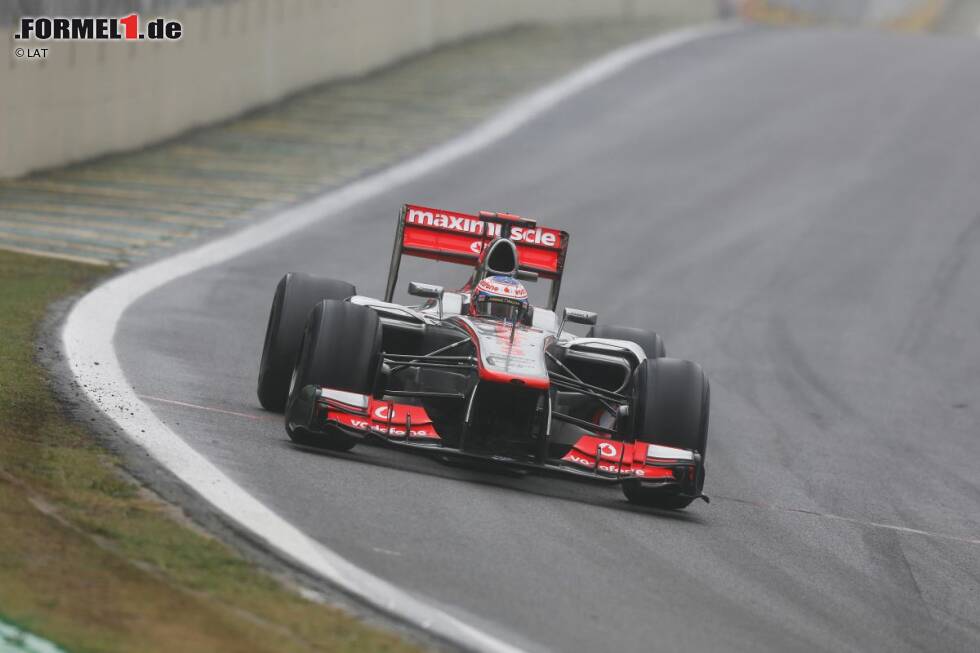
500	297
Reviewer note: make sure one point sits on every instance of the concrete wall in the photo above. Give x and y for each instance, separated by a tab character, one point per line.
86	99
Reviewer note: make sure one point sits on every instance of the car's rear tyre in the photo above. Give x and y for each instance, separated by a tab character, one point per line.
295	296
650	341
341	349
671	408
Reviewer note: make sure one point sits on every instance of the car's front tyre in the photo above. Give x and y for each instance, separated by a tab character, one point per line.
295	296
340	349
671	407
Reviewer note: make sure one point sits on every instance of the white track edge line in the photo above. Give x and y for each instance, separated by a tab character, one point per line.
90	327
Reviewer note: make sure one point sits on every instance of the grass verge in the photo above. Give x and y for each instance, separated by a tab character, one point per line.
91	560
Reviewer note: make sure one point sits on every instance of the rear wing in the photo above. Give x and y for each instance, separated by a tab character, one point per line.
459	238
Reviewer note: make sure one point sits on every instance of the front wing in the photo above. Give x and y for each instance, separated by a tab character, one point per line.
406	426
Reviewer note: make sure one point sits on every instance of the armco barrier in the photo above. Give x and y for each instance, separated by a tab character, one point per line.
89	98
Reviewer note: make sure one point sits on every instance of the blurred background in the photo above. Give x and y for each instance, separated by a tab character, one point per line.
360	94
88	98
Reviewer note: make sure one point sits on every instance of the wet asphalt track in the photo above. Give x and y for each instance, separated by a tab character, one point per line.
800	212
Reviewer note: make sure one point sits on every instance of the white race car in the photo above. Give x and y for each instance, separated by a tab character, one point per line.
478	374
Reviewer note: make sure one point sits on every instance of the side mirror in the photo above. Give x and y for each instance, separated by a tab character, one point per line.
427	290
527	275
576	316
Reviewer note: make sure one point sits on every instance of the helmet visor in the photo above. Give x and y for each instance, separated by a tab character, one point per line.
501	309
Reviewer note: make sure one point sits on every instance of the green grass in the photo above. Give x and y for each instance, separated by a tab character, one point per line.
94	562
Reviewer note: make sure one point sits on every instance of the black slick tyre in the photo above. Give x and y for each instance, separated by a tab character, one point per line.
341	349
295	297
671	408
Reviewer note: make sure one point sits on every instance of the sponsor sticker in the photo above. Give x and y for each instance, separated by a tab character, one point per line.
463	223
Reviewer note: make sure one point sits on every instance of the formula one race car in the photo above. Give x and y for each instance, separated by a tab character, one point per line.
480	376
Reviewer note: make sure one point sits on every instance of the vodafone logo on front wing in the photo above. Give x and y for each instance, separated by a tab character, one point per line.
608	449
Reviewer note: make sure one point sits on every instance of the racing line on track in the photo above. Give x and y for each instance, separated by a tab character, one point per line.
210	409
90	327
745	502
